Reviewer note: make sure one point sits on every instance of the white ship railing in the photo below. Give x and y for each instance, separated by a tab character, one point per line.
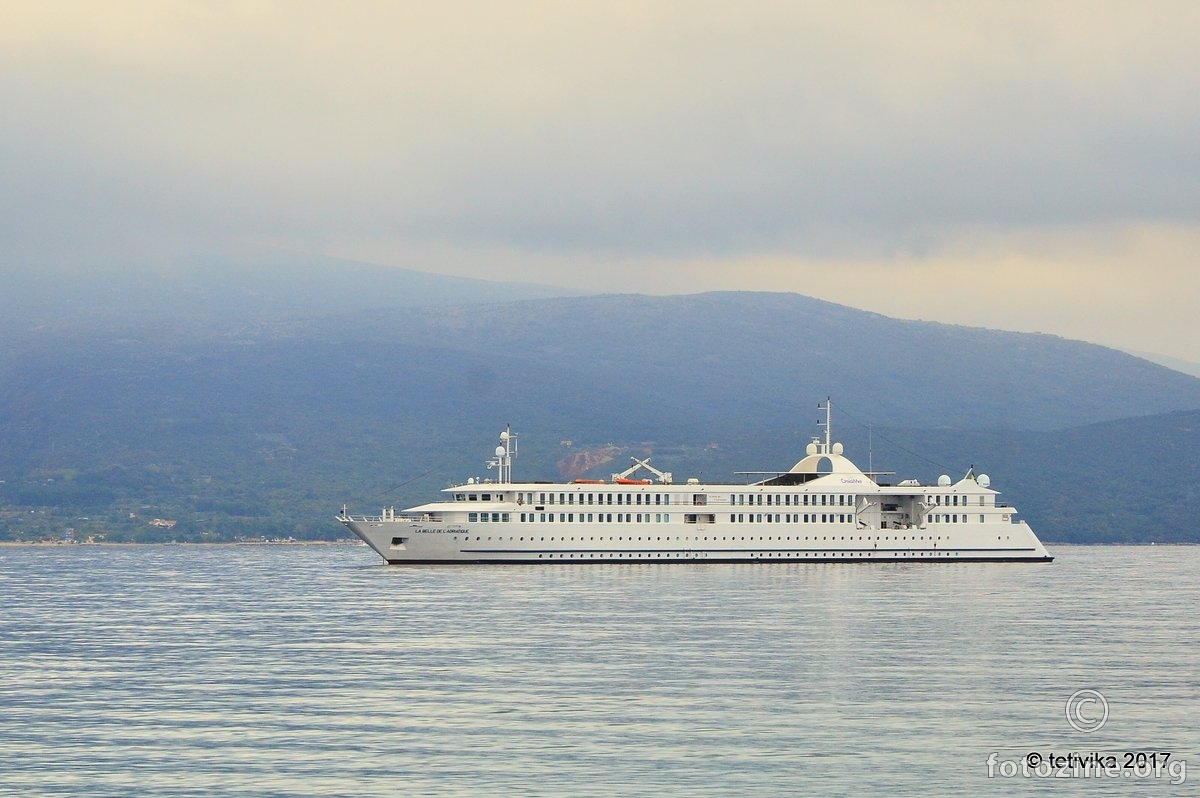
378	519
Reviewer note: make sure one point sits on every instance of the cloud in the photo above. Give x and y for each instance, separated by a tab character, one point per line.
584	133
1131	287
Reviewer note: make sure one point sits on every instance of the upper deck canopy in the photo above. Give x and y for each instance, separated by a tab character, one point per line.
822	459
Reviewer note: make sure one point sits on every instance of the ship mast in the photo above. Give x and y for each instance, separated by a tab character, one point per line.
827	423
505	452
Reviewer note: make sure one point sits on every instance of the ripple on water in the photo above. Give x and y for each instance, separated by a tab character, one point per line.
310	670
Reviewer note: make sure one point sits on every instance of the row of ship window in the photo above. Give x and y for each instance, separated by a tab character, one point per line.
714	539
623	497
664	518
689	518
793	499
952	500
626	498
735	499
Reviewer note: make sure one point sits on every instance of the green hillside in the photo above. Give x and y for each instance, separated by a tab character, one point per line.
265	426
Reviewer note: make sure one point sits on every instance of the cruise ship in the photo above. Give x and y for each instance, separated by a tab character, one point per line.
824	509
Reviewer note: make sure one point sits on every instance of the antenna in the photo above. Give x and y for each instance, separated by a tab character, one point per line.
504	455
870	448
827	423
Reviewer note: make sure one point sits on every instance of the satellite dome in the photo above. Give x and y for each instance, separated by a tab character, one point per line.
499	451
811	449
984	480
944	481
837	448
504	435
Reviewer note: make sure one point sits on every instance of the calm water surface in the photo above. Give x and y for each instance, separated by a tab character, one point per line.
318	671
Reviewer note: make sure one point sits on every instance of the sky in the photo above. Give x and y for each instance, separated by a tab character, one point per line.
1030	166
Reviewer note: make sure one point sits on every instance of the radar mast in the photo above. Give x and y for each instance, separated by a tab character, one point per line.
827	424
505	452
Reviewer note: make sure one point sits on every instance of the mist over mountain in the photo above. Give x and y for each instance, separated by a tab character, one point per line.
240	406
247	285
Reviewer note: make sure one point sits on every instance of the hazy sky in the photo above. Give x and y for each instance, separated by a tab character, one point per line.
1021	165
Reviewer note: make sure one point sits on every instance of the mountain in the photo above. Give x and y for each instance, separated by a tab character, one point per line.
1183	366
233	422
244	286
720	358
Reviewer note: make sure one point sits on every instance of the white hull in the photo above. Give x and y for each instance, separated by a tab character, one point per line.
584	543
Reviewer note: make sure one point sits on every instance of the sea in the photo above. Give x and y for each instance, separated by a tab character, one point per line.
317	670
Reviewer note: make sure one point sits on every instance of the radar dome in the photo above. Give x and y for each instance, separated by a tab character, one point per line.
944	481
984	480
837	448
811	449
